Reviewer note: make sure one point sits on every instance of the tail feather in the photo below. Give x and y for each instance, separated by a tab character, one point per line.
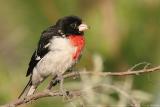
26	89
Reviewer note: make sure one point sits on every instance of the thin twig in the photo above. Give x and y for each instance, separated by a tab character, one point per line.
137	65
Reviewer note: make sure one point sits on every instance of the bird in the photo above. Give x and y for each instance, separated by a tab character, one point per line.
59	48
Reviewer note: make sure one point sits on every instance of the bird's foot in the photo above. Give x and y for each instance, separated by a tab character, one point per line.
65	94
63	91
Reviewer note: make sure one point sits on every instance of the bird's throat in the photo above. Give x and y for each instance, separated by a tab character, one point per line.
78	42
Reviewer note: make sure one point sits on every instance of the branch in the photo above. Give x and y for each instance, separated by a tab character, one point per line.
43	94
39	95
73	93
125	73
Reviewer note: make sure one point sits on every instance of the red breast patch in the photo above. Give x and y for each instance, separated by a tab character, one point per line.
78	41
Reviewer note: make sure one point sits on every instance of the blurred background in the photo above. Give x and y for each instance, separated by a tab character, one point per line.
123	33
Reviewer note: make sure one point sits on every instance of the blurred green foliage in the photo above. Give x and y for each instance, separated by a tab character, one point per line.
123	32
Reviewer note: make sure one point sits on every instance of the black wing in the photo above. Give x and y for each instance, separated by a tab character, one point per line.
43	48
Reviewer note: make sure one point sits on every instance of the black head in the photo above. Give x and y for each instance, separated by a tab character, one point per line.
71	25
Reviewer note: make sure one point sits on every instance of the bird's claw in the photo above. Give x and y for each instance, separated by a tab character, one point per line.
65	94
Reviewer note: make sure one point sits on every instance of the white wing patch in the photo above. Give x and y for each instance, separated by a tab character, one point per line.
38	58
47	45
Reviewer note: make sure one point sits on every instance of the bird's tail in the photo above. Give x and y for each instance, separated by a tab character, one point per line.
26	89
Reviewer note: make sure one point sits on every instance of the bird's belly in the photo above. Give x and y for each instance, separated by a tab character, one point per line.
55	62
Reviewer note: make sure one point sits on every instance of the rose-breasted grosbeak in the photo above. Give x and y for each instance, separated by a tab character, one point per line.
59	48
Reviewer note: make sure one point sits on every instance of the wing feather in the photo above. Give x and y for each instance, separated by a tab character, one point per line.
43	48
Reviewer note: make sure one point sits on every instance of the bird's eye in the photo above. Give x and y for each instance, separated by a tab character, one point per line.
73	25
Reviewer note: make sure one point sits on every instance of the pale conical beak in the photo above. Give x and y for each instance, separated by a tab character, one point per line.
82	27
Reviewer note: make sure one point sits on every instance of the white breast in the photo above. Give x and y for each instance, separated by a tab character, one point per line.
62	44
59	59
